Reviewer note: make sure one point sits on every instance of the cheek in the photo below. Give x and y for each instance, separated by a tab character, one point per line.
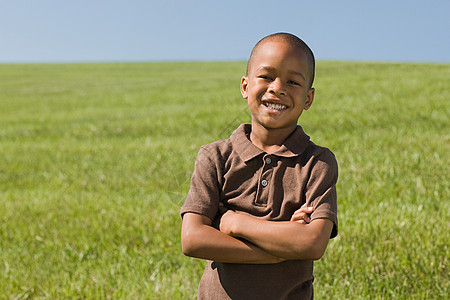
259	91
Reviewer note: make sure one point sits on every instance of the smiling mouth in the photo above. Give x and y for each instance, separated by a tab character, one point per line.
274	106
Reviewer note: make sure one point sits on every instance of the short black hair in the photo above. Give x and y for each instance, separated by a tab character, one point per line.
292	40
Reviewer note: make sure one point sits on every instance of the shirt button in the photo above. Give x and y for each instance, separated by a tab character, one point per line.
268	160
264	182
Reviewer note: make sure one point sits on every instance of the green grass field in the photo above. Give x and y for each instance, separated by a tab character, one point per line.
95	162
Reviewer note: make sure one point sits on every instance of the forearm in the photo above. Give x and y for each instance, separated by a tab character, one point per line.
289	240
200	240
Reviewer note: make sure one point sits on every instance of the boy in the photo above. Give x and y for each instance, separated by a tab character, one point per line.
262	204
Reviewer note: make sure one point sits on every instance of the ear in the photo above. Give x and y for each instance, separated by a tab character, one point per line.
310	98
244	87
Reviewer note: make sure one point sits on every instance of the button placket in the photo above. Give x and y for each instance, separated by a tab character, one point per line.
266	170
263	191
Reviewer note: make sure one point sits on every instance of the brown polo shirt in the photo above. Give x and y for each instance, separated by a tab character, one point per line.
268	186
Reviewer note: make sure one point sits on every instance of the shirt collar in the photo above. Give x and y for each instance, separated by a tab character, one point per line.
294	145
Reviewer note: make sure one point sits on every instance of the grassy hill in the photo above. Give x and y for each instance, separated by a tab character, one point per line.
95	162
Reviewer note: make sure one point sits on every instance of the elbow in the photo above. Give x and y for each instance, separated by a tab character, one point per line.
312	249
185	248
317	241
313	252
318	247
187	244
190	243
193	235
317	252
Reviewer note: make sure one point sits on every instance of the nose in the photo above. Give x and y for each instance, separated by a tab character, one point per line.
277	87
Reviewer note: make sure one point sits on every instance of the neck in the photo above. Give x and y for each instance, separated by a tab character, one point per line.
269	140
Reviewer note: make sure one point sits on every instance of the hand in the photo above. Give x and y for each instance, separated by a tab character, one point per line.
230	220
301	215
227	221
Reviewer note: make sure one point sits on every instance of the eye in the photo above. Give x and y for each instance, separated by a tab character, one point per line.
294	82
265	77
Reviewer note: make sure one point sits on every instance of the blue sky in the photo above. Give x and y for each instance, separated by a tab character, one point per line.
137	30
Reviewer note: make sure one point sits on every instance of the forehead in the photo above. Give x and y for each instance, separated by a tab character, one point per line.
279	54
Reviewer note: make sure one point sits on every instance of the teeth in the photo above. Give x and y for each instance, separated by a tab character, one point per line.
275	106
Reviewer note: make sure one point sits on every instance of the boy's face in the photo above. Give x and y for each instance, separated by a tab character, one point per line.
277	85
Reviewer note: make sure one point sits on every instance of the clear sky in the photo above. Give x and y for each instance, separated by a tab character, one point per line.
138	30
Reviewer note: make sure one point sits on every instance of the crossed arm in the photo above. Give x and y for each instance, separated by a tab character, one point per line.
246	239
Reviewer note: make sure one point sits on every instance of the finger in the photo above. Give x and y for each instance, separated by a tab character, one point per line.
298	214
308	209
301	216
302	212
294	216
302	221
305	209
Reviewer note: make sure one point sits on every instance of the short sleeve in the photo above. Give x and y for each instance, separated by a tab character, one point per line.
204	194
321	188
